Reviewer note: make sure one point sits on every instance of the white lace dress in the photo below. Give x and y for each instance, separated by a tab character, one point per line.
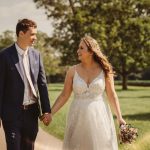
90	124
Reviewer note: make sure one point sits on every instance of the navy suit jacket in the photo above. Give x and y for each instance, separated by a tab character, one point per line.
12	85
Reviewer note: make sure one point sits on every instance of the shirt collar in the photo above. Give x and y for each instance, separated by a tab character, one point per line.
21	51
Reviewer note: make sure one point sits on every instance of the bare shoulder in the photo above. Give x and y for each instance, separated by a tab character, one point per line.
71	71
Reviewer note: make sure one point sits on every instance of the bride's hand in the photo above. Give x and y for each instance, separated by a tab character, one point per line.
121	121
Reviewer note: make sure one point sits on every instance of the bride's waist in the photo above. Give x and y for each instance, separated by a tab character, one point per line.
87	97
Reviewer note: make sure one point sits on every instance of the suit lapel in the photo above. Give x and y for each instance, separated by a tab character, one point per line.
32	64
15	59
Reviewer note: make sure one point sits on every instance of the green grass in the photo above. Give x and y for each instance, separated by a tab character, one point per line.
143	144
135	106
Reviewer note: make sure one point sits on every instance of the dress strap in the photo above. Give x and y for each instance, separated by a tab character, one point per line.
75	71
75	68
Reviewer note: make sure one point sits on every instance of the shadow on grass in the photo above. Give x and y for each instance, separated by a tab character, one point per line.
145	116
54	90
134	97
144	96
140	89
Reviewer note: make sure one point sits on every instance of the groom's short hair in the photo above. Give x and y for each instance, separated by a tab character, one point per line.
24	25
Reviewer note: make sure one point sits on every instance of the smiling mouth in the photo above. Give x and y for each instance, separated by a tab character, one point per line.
33	42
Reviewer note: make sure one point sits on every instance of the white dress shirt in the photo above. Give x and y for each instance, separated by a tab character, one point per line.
28	94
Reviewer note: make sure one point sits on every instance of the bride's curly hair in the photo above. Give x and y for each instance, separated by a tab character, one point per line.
99	57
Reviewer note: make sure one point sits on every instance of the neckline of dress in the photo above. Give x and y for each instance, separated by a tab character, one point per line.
88	85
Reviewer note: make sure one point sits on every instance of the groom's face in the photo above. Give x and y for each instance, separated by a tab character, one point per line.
29	37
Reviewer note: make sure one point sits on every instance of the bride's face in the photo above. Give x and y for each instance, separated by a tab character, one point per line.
83	52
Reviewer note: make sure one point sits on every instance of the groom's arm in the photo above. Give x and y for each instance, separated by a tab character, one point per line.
2	80
43	92
42	87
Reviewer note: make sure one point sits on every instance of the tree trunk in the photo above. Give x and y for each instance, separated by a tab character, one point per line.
72	7
124	82
124	75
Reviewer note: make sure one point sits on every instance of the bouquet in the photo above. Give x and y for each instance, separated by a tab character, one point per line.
128	133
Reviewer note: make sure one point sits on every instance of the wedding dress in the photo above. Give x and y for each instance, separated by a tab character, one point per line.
90	124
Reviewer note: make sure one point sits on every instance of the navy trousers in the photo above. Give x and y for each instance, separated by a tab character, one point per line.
21	134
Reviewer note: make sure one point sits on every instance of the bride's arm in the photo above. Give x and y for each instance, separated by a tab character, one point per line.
66	92
113	98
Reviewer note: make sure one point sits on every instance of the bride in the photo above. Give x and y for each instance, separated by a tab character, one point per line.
90	124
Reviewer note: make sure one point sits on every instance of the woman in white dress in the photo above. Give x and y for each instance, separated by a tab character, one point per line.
90	124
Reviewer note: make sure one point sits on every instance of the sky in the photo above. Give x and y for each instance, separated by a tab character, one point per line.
13	10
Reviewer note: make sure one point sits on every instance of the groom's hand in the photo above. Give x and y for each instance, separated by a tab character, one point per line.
46	118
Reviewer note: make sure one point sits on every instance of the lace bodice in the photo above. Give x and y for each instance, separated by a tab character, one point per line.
94	89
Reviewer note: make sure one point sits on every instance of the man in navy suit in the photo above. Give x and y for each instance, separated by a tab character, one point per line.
22	79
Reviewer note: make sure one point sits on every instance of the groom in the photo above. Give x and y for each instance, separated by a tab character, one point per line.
22	77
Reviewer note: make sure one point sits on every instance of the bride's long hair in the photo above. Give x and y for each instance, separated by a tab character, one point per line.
99	57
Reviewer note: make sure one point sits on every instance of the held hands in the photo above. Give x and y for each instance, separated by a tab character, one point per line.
46	118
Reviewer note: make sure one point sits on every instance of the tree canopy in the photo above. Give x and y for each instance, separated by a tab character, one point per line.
6	39
122	27
50	55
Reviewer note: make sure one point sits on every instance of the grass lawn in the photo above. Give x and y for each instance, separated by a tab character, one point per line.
135	106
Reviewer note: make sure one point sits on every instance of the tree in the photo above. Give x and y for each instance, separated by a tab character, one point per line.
6	39
121	26
130	37
50	55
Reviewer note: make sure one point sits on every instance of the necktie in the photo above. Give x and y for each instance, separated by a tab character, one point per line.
27	73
